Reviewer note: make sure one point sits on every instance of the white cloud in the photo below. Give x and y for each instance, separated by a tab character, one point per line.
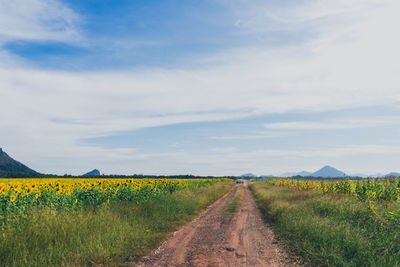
37	20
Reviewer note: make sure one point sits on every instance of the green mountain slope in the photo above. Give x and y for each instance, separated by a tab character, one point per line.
10	168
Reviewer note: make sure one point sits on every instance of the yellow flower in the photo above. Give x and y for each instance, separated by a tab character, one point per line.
76	200
13	197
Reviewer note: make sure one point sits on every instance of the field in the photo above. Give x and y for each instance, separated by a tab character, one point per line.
335	223
114	222
83	222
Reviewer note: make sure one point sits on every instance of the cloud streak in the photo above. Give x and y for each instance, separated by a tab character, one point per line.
342	123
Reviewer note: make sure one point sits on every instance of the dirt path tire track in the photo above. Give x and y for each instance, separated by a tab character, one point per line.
215	239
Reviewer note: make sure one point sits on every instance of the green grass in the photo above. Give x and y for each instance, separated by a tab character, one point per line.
234	204
330	230
110	235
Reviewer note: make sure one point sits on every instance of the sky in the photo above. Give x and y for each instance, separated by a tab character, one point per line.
221	87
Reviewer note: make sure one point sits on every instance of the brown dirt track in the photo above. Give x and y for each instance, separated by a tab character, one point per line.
215	239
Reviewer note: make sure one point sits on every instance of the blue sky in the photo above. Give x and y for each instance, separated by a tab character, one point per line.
201	87
128	34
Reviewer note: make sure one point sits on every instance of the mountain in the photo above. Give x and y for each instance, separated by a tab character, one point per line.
393	174
362	175
93	173
328	172
10	168
248	176
304	173
291	174
376	175
266	176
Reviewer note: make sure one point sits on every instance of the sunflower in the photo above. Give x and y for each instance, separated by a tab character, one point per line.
12	198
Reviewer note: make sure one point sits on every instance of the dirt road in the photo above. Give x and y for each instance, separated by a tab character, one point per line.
215	239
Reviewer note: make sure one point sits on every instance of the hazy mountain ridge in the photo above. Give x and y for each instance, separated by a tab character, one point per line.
248	175
10	168
324	172
331	172
302	173
393	174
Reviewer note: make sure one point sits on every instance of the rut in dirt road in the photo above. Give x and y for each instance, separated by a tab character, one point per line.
215	239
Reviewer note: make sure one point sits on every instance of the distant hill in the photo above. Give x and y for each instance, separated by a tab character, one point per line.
325	172
328	172
362	175
375	175
10	168
93	173
304	173
267	176
393	174
291	174
248	176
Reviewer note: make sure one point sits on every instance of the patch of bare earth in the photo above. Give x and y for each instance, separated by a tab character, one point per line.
215	239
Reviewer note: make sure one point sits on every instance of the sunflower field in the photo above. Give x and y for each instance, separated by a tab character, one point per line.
19	195
335	222
370	191
95	222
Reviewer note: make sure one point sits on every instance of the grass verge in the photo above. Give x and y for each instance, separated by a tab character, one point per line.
234	204
329	230
108	235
